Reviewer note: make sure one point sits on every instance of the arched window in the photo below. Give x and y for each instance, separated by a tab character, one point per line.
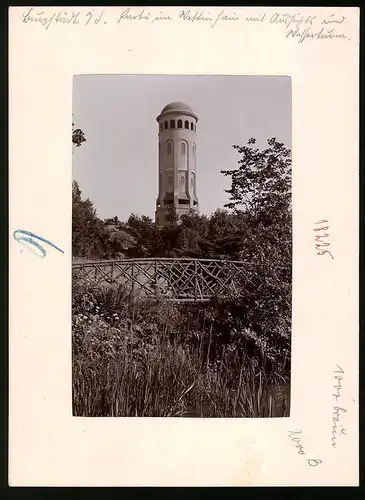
169	148
193	150
191	126
187	124
172	124
179	123
182	180
166	125
183	148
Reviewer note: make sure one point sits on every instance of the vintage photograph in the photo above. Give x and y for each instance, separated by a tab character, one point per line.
181	246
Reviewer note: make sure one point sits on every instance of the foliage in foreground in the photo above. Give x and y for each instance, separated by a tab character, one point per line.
131	358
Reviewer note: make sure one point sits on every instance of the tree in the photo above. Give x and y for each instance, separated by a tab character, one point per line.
89	235
78	136
226	233
262	183
261	189
121	241
147	236
192	237
170	233
261	193
113	221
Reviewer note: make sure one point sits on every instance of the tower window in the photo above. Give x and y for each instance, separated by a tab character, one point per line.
179	123
193	150
192	126
183	148
182	180
166	125
169	148
187	124
172	124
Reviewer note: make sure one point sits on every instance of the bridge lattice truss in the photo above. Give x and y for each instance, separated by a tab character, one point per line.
183	280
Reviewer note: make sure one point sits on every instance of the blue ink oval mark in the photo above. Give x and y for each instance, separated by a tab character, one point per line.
29	238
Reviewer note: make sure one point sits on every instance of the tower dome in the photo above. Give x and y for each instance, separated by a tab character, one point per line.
176	106
177	161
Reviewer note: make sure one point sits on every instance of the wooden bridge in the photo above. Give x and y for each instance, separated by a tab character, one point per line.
182	280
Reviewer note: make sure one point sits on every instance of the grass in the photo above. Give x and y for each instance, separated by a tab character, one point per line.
133	359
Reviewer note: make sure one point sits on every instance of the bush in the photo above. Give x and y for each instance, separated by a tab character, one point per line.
132	358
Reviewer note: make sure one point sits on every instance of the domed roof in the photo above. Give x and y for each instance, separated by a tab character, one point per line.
176	106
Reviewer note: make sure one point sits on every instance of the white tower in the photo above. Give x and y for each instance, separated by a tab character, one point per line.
177	161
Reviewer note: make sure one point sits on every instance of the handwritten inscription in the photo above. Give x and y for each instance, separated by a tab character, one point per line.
32	16
322	246
288	19
186	15
302	35
296	26
337	427
28	237
95	18
295	437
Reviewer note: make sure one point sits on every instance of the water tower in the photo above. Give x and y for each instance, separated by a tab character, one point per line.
176	161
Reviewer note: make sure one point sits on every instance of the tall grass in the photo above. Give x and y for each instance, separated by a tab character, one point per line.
133	359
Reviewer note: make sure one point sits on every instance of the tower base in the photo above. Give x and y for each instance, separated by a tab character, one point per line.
166	215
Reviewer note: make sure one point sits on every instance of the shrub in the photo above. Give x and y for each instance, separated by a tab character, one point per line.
132	358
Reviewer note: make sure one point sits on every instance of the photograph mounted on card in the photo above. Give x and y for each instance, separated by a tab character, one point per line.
181	246
183	257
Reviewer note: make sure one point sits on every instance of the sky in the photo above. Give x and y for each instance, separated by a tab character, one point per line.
117	167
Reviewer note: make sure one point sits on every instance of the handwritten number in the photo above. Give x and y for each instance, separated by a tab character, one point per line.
29	237
313	462
319	241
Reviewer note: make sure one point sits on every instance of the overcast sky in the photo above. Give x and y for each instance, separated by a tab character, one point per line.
117	168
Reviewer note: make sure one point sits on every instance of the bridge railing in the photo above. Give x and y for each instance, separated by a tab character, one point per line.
185	279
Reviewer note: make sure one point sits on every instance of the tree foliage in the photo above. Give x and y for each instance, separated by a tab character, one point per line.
261	191
262	182
78	136
89	236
